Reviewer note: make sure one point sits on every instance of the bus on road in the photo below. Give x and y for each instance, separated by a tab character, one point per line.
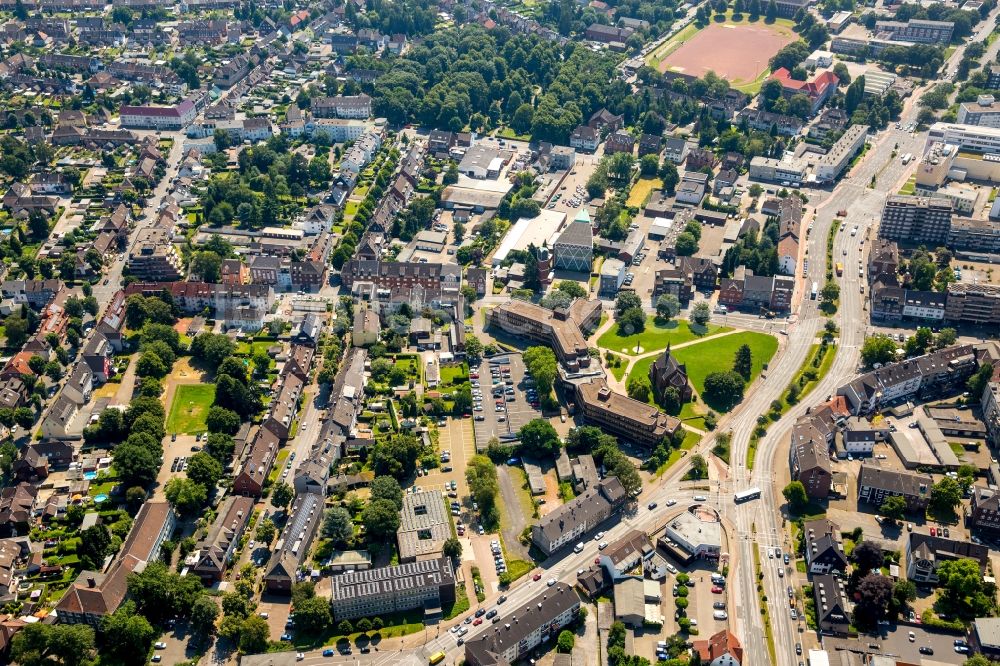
747	495
840	269
815	291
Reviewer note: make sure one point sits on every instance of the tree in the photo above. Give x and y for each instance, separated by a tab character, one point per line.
126	636
539	439
686	244
961	579
17	331
946	337
338	525
345	627
632	321
136	465
281	495
893	507
795	494
627	300
222	420
254	635
867	556
918	343
266	531
541	364
204	469
874	594
564	644
473	347
946	494
699	467
45	644
95	545
638	388
700	313
667	306
878	349
977	383
208	265
649	165
386	487
380	518
186	495
452	548
312	615
212	348
204	614
669	176
724	387
743	363
772	12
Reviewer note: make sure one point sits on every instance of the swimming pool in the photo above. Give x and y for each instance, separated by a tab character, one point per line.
90	476
100	498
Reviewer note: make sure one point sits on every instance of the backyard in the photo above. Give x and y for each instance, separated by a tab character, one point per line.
657	335
190	407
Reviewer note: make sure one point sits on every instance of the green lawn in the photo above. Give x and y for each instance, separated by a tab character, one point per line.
656	335
641	190
717	355
454	375
190	407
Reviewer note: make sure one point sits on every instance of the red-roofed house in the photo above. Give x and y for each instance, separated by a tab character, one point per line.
722	649
820	89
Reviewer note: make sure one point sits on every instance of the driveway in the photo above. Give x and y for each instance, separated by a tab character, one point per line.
516	521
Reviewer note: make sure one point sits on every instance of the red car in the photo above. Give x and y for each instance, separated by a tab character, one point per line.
933	532
474	375
717	590
537	577
478	621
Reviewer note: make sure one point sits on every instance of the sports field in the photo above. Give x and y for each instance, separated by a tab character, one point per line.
737	52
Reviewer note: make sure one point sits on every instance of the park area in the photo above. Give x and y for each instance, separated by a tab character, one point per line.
190	408
736	51
657	335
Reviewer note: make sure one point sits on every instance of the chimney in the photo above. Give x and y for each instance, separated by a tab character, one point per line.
91	582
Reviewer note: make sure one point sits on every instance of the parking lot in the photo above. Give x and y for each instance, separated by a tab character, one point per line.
895	641
505	394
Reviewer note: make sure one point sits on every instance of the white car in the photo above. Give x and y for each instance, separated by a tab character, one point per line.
160	646
551	582
720	615
671	502
598	536
700	498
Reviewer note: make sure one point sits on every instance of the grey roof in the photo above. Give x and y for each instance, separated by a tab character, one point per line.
987	632
424	524
577	233
592	502
393	579
901	483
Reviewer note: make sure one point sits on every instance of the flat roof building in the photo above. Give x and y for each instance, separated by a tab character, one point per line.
424	526
426	584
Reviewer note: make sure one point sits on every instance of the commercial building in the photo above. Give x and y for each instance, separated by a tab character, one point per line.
921	31
698	532
791	170
426	584
876	484
481	161
917	220
540	231
830	166
574	248
975	235
527	627
612	277
622	416
985	140
568	523
984	636
984	112
925	553
424	526
561	328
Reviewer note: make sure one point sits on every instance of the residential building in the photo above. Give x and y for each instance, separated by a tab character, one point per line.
154	257
675	149
984	510
666	372
929	375
94	594
875	484
833	608
172	118
214	553
925	553
650	144
607	34
789	8
561	328
809	458
424	526
358	107
619	141
435	279
537	622
765	121
977	304
699	158
424	584
823	548
612	277
294	543
917	220
832	164
17	508
975	234
883	261
579	516
622	416
256	463
990	403
721	649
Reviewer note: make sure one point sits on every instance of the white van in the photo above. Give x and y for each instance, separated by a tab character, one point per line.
578	548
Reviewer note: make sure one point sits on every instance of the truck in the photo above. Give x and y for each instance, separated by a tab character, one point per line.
814	292
840	269
907	157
